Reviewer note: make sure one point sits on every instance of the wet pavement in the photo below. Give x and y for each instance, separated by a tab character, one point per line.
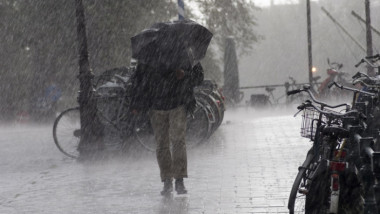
247	166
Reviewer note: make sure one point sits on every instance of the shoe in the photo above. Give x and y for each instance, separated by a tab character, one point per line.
180	186
168	187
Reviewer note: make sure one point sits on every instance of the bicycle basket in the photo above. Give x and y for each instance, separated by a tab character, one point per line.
309	123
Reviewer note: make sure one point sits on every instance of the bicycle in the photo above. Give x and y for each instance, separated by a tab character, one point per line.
207	117
368	104
321	183
199	126
210	94
368	141
112	102
366	137
264	100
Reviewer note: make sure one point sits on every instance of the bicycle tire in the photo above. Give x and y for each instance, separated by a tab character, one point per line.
144	135
199	126
350	196
108	109
318	198
221	104
216	111
66	132
352	192
297	200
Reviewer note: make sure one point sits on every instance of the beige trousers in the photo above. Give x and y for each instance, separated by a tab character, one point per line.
170	131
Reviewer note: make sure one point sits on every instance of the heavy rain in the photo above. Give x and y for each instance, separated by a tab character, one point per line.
189	106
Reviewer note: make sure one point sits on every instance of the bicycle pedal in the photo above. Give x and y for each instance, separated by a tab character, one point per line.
303	191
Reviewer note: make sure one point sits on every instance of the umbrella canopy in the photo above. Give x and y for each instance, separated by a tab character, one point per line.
175	44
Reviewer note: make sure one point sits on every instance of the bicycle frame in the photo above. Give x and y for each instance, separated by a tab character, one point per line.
361	152
119	110
326	163
370	171
332	158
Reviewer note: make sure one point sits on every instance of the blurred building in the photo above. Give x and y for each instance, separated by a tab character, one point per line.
283	51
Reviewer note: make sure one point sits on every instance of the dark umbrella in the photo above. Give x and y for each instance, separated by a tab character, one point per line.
175	44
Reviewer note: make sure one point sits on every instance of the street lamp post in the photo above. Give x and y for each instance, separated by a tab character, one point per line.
309	42
90	131
370	70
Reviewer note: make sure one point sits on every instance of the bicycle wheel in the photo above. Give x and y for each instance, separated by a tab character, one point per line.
143	133
352	192
351	195
318	197
297	198
198	125
67	131
197	129
220	104
216	111
108	110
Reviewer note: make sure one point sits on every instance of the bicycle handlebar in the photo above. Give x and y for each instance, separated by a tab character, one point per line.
307	89
330	85
351	89
373	57
330	114
360	74
370	63
293	92
359	63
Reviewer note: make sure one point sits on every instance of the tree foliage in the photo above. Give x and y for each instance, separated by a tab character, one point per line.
39	40
230	18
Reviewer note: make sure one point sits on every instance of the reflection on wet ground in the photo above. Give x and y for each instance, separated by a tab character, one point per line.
171	204
248	166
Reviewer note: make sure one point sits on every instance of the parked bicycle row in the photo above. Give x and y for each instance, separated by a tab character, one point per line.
342	168
120	125
272	97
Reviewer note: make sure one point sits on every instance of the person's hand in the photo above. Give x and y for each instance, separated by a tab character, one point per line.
180	74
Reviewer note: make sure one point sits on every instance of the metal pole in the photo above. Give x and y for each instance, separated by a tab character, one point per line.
231	72
309	42
362	20
86	106
370	70
344	30
181	10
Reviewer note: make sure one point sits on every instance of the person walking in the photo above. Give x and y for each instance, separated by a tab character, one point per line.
166	94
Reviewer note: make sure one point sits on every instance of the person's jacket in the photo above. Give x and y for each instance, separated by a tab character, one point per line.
156	87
